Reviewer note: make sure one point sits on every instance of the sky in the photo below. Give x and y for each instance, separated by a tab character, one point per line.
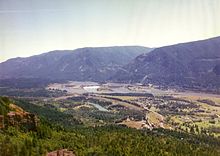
30	27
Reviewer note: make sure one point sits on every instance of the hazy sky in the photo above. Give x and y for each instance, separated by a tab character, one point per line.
29	27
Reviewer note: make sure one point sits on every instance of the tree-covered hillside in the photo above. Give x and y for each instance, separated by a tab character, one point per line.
100	141
84	64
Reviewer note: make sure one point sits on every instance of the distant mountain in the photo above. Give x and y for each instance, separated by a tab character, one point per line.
193	64
84	64
217	69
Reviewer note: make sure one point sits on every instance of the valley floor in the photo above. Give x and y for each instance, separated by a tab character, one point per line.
99	119
145	106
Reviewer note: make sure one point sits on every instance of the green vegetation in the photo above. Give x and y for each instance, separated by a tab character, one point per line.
53	116
4	105
40	92
50	110
106	141
28	87
100	141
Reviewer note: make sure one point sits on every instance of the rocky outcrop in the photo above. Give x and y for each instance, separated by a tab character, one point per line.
61	152
19	117
12	115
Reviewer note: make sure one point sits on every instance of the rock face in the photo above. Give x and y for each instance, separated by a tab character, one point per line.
61	152
85	64
193	64
12	115
19	117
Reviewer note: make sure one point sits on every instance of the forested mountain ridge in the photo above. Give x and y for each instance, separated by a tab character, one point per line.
193	64
84	64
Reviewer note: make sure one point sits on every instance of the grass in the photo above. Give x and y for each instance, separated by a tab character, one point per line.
132	124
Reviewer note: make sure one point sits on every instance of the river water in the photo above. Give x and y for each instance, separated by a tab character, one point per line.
99	107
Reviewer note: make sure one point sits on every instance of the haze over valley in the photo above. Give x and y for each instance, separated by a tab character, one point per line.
192	65
112	78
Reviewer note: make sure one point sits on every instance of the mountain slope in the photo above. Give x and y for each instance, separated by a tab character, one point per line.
93	64
193	64
13	115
